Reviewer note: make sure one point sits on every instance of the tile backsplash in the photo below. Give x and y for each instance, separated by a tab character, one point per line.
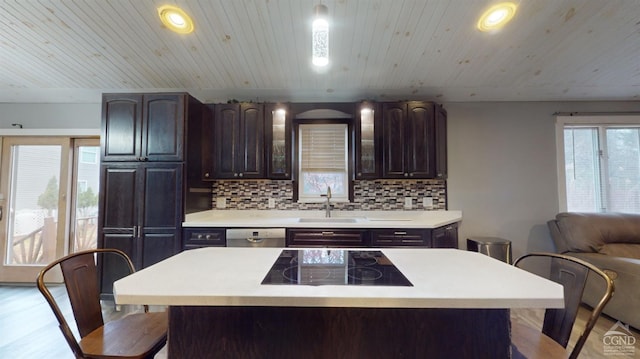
368	195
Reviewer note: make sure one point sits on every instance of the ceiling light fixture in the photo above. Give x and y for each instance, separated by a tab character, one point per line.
175	19
320	36
496	16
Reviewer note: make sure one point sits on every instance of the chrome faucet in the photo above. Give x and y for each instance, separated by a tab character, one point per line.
327	212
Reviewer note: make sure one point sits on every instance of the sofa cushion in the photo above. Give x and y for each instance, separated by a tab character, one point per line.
627	250
588	232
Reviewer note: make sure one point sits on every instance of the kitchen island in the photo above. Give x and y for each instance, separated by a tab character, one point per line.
457	307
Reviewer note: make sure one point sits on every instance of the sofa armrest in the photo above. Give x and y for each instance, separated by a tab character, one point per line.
558	239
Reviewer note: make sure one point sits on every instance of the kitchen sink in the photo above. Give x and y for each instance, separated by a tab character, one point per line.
327	220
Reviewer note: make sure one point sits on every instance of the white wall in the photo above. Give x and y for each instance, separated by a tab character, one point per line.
502	167
58	116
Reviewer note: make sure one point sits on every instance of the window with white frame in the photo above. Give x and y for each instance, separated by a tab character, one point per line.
600	166
323	162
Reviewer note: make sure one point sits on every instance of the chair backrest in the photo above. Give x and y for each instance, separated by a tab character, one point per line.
81	280
572	274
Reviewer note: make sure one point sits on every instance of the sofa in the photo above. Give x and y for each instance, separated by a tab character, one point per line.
611	241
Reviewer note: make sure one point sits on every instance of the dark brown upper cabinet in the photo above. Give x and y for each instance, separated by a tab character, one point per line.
278	141
144	127
367	138
409	140
238	134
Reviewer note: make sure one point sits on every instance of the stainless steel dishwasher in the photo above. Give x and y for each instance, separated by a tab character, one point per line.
255	237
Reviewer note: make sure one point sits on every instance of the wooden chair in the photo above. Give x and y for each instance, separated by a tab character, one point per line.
572	273
137	335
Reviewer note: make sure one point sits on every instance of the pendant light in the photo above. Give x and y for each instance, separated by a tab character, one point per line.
320	36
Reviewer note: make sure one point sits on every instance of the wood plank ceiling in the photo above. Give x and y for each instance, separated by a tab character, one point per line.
73	50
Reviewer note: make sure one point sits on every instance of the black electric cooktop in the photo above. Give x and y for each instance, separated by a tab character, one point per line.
334	267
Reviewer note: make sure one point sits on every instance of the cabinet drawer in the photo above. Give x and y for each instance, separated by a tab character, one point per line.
203	237
400	238
327	238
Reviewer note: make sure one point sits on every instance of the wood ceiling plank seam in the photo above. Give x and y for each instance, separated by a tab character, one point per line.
162	64
403	44
178	50
420	37
38	49
300	33
428	53
199	51
215	47
605	56
244	61
359	52
143	51
337	79
267	69
11	56
288	63
110	38
82	48
368	47
249	63
383	56
556	52
233	66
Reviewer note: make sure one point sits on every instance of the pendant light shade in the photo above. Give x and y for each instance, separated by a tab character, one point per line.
320	36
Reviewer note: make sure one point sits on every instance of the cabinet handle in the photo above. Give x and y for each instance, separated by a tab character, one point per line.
241	174
206	175
448	228
235	175
399	233
406	175
135	231
359	173
327	233
411	174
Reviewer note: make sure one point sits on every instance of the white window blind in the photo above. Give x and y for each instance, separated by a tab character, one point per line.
323	162
323	148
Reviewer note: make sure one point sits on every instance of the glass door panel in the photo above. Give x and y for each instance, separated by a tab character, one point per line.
33	201
86	172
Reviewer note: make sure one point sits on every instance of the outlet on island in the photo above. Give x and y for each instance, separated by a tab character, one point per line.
272	203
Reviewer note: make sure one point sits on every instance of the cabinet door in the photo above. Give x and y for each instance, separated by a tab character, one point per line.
441	142
121	127
226	128
445	237
277	142
117	218
420	140
250	154
400	238
394	140
366	129
160	211
163	127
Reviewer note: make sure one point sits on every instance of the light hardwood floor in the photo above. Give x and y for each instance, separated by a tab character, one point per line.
29	330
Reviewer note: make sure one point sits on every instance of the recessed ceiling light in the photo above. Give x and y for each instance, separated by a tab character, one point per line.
175	19
496	16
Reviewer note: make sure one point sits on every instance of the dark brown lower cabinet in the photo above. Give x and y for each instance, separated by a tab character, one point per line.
203	237
141	213
441	237
322	237
400	237
445	237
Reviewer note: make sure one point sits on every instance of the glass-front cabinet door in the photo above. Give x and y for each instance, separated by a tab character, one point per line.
367	158
278	140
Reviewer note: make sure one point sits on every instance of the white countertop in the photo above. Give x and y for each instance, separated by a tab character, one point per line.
441	278
316	219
